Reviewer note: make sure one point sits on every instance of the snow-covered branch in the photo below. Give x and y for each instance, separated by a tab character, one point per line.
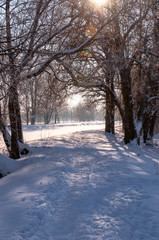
57	55
97	84
58	31
148	52
153	98
134	24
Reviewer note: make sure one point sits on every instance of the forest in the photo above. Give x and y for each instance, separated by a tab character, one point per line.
108	52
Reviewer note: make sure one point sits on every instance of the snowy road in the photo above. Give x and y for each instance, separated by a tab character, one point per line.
82	186
44	131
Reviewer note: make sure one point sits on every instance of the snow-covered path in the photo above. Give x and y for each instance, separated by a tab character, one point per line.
82	186
53	130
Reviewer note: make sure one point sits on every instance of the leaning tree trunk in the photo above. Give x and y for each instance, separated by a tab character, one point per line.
128	119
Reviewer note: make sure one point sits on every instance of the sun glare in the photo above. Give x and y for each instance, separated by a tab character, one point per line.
99	3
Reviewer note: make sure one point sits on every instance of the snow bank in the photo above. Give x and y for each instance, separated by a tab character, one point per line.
8	165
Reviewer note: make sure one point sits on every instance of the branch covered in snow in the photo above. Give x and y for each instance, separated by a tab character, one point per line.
153	98
31	51
57	55
133	25
148	52
98	84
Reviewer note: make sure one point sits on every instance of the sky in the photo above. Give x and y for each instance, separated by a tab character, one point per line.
74	100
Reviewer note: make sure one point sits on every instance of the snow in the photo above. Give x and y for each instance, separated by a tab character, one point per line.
8	165
80	184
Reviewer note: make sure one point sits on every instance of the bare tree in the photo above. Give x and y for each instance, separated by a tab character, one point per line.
37	34
118	56
30	43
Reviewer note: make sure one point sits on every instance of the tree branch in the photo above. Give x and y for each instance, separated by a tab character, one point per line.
57	55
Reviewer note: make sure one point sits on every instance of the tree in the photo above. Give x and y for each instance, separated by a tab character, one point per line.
37	34
31	32
53	95
152	71
120	44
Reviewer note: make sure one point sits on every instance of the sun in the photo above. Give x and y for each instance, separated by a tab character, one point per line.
99	3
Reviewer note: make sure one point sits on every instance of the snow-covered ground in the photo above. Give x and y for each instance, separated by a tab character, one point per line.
79	183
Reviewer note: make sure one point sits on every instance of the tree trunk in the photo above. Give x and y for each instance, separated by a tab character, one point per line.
27	108
13	98
33	117
7	139
57	119
5	133
27	116
19	122
110	106
148	128
128	120
47	117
